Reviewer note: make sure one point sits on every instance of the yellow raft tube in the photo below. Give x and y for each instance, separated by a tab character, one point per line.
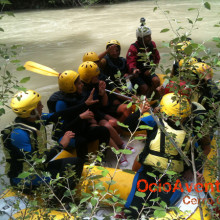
121	187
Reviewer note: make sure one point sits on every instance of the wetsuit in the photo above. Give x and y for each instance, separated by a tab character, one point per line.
85	134
113	66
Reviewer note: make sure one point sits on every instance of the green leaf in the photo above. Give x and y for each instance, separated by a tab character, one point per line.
151	174
159	213
118	209
163	204
140	138
145	127
115	151
100	168
129	104
170	172
155	8
15	61
207	5
115	199
155	200
191	9
1	29
93	201
2	111
199	19
140	194
122	125
95	177
190	21
199	135
110	182
177	123
157	208
74	208
20	68
176	209
126	151
136	86
128	171
188	50
105	172
24	80
24	175
216	39
164	30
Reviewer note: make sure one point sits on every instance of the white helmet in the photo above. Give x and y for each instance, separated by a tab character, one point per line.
143	31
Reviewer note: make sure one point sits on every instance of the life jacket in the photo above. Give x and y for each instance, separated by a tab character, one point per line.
15	163
143	65
163	155
112	67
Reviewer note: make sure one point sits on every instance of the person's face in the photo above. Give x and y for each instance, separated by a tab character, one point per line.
114	52
147	39
40	108
95	80
79	86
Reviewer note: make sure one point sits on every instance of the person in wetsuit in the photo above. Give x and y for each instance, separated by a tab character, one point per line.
70	98
26	138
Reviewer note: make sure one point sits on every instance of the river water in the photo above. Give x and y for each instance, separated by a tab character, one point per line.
59	38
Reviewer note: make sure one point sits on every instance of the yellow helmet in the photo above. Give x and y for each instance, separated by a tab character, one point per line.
90	56
170	104
66	81
202	68
111	42
87	71
23	103
183	45
188	62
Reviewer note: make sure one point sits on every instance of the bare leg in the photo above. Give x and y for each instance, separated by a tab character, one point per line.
113	133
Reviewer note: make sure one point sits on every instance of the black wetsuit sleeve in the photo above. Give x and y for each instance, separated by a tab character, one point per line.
50	154
76	125
68	114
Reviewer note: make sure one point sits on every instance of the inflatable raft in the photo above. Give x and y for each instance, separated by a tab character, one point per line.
119	187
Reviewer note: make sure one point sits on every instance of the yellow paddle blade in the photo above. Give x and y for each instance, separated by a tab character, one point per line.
41	69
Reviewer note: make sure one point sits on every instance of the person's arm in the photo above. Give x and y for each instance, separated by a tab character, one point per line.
102	93
131	58
109	49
